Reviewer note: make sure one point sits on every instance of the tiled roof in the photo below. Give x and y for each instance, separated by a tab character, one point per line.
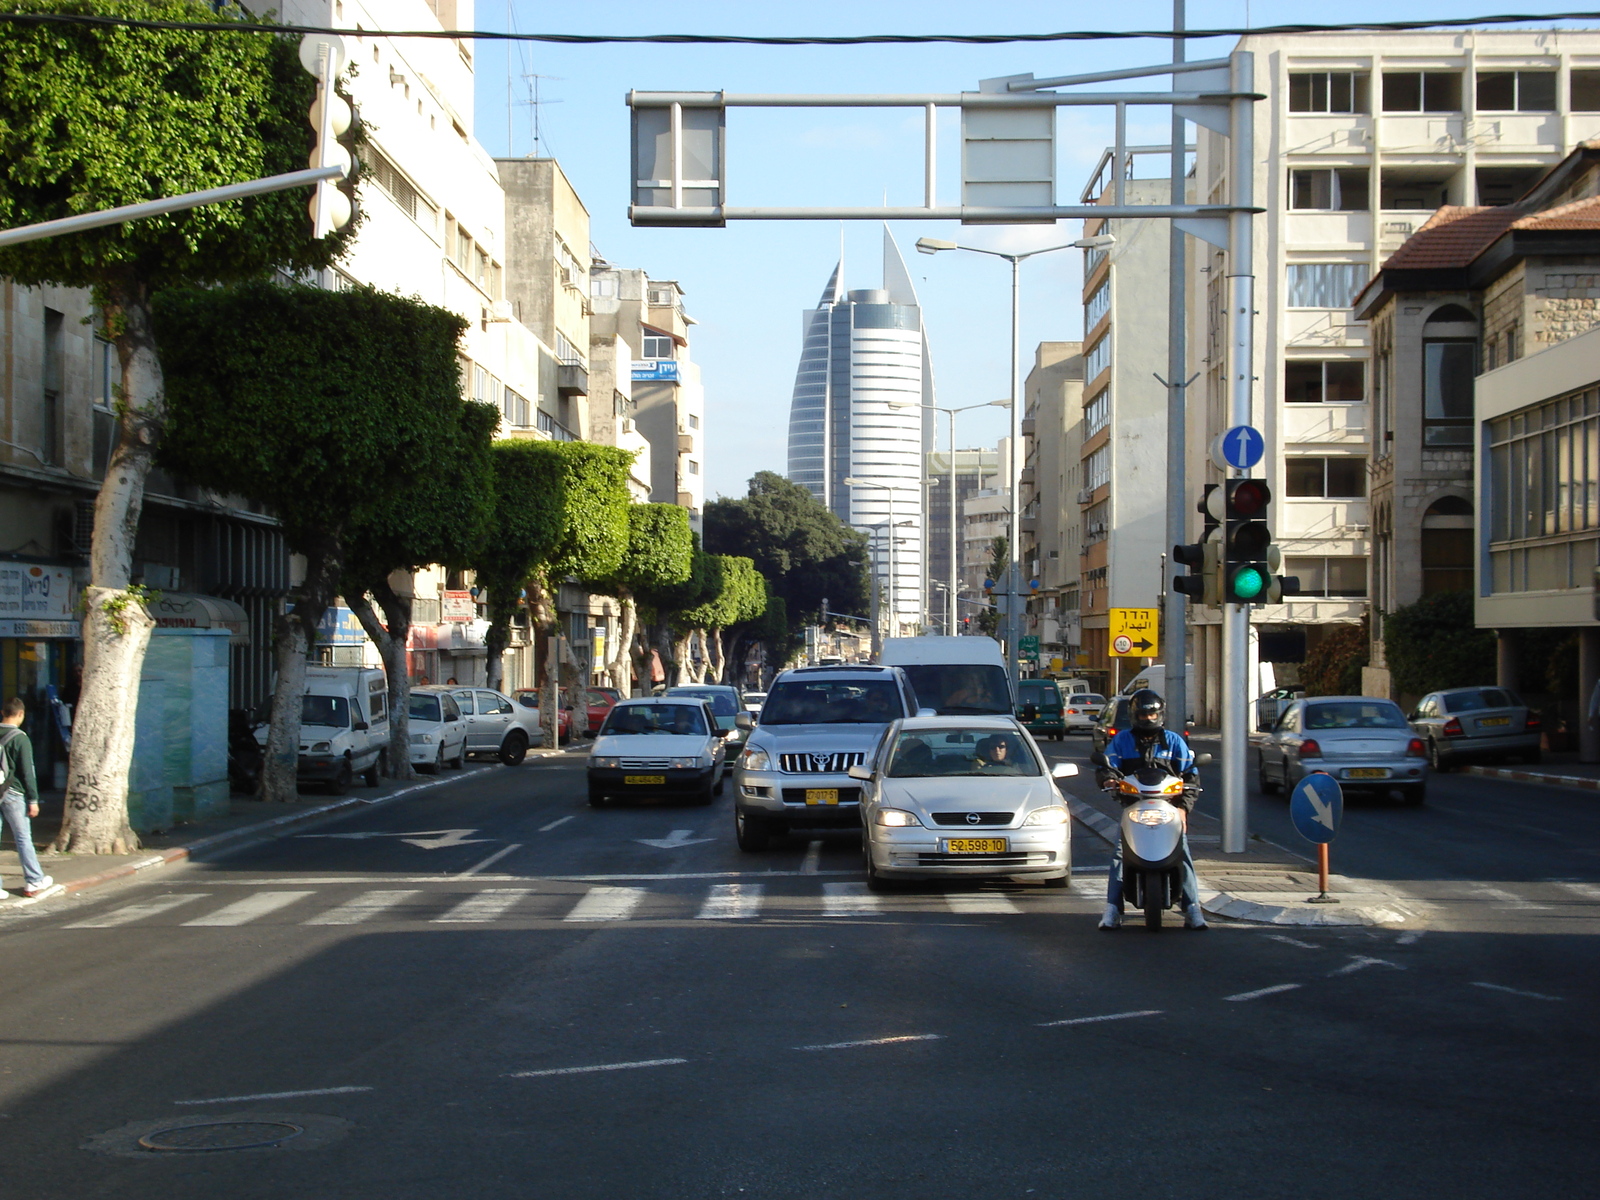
1580	214
1455	235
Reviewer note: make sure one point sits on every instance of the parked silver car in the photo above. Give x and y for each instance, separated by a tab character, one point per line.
1465	723
497	726
1362	741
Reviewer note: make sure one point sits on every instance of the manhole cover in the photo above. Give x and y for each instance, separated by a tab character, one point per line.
221	1135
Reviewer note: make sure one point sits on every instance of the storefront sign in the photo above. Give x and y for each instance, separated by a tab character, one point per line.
458	606
37	601
340	627
655	370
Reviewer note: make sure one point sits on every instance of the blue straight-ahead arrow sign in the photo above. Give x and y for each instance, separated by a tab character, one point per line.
1243	446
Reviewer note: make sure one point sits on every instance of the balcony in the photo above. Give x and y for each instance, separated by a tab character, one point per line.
1027	426
1026	476
686	443
572	379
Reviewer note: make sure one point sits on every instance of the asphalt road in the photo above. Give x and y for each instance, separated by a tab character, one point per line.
490	990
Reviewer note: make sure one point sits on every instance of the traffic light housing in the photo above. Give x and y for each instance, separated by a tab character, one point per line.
1203	558
323	56
1246	540
1279	586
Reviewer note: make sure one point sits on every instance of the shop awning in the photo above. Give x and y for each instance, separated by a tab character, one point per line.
183	610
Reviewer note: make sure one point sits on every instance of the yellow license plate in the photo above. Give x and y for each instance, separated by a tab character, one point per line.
1494	720
975	846
822	795
657	779
1367	773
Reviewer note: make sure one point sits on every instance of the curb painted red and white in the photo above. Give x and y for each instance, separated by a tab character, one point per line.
1577	781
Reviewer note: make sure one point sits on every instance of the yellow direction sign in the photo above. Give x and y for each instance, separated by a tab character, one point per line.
1134	633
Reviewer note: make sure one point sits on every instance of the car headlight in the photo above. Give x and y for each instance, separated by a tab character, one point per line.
605	762
321	747
756	759
684	764
1153	816
896	818
1054	814
428	738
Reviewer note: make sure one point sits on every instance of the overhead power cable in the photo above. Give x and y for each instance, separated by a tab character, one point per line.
868	39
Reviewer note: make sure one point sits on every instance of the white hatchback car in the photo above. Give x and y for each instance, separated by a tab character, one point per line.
963	796
438	730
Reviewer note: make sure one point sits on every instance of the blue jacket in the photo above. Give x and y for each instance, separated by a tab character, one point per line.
1123	746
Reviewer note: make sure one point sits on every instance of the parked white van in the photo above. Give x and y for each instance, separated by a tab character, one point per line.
965	675
344	726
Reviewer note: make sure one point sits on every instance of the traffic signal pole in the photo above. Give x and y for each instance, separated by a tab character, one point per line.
1241	362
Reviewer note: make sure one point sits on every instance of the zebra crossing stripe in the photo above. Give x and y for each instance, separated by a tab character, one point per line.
242	912
138	912
607	904
968	903
363	908
731	901
485	906
848	900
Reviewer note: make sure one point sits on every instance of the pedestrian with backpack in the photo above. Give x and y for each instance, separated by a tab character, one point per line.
19	793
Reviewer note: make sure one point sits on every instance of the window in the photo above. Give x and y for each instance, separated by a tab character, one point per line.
400	189
661	297
566	353
694	467
464	251
1421	91
106	373
1325	285
1516	91
1096	522
1098	358
516	409
1585	89
1335	190
1447	546
1097	414
603	287
694	421
548	425
54	368
1449	362
1342	478
1099	305
1503	185
655	346
1098	471
1332	577
1333	381
1327	91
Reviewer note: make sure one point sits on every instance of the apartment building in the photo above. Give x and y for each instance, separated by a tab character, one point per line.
1052	432
985	516
1359	139
972	469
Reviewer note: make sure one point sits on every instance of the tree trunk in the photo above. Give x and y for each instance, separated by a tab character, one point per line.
391	639
116	629
550	691
714	659
621	665
294	633
498	636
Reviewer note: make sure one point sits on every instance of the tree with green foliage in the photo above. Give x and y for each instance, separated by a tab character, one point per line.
659	605
734	593
1434	643
442	518
1333	666
999	563
98	117
769	628
660	555
319	405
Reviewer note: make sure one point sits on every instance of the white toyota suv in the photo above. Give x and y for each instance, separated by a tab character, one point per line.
816	723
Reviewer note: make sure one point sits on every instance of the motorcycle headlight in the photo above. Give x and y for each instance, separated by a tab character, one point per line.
756	759
896	818
1054	814
1153	816
609	762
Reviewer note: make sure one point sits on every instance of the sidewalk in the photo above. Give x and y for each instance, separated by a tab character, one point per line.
248	822
1266	884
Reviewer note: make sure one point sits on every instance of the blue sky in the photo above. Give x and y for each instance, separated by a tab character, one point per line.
748	283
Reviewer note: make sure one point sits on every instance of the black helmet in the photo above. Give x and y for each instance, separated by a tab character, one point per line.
1146	710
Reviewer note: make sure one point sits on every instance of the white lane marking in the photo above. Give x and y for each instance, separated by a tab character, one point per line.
1359	962
883	1041
1588	891
1500	987
1289	941
848	900
363	908
437	878
557	821
485	906
813	857
627	1066
1411	938
242	912
1143	1012
490	861
607	904
969	902
137	912
1266	991
1506	899
731	901
338	1091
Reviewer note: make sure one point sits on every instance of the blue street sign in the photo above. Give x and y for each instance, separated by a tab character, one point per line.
1242	447
1316	806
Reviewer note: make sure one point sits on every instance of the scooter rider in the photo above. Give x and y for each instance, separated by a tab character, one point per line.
1147	738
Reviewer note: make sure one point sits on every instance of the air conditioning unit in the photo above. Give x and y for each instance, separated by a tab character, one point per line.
1083	496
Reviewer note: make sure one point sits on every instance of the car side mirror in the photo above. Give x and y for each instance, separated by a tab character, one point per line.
721	733
1063	770
859	772
1202	760
744	721
359	726
927	712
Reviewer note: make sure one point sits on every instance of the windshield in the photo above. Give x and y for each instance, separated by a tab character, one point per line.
330	711
424	708
1355	714
946	753
722	703
1472	701
963	688
1040	695
655	718
832	702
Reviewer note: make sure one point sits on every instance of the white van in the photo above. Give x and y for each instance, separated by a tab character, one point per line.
344	726
953	674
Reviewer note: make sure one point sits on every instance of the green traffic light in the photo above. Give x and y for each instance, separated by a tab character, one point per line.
1248	583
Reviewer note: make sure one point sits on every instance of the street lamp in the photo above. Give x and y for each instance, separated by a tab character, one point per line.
851	481
954	556
1014	548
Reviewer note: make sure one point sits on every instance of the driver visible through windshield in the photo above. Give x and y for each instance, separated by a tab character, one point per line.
949	753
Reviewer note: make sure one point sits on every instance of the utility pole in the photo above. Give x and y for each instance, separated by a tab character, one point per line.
1175	637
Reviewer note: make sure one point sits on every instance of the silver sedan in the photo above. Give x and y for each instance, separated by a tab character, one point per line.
1362	741
965	797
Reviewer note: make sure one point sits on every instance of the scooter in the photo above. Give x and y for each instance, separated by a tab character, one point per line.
1152	834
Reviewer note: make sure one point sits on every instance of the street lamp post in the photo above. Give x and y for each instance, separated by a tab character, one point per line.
1014	548
851	481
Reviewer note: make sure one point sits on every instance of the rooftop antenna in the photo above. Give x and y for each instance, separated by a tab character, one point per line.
535	101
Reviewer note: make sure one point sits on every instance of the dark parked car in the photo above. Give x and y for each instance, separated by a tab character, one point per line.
1466	723
1113	719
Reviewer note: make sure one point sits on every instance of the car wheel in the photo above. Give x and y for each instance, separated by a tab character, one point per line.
1435	760
1267	786
876	880
1059	881
1533	756
371	775
340	783
722	782
459	762
436	765
514	749
752	833
597	797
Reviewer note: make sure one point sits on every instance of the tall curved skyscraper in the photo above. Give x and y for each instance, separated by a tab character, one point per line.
862	397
